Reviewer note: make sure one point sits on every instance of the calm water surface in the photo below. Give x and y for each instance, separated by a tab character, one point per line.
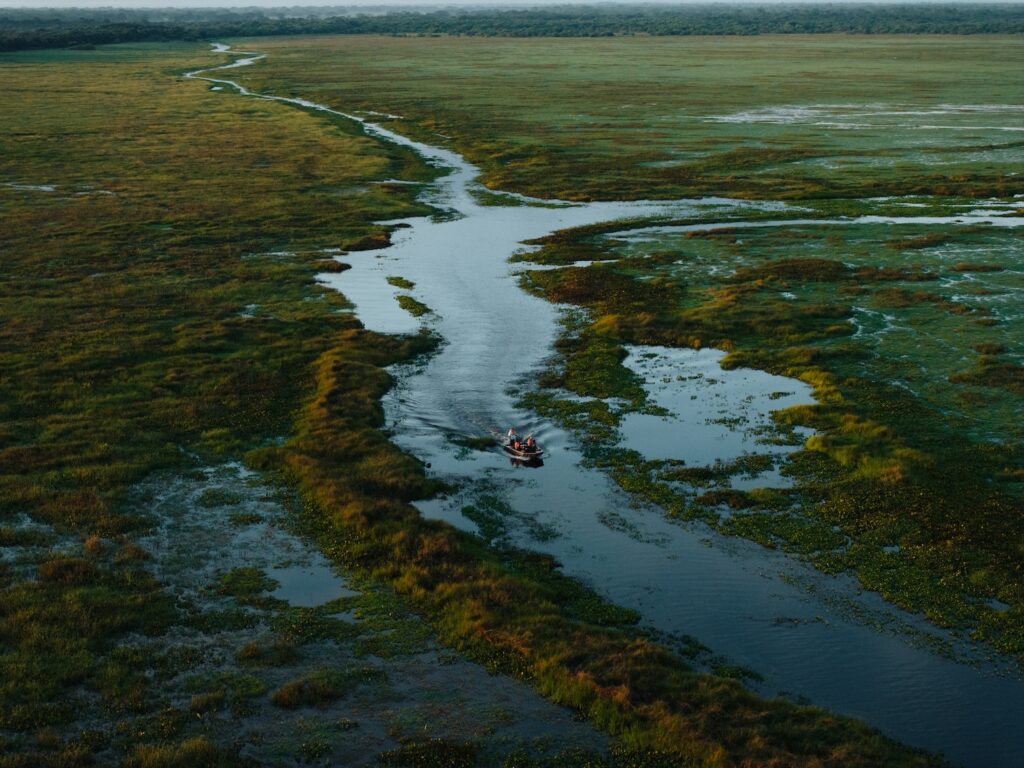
811	636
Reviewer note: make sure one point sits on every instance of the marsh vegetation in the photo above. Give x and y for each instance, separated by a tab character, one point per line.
794	117
162	317
909	335
912	468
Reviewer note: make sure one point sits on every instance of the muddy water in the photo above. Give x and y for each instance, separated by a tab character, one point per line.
810	636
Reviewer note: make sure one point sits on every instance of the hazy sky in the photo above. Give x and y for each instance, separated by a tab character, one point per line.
280	3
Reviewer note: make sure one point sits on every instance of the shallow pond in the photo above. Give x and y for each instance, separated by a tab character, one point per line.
808	635
713	416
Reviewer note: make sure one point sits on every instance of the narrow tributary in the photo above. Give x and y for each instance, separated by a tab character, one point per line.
816	638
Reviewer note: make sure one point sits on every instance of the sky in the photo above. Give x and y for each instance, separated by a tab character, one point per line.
410	3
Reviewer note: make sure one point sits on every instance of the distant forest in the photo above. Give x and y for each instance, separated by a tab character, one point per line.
45	28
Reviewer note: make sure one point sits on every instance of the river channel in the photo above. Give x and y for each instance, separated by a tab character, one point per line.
812	637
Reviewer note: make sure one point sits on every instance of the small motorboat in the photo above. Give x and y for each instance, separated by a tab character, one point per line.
523	455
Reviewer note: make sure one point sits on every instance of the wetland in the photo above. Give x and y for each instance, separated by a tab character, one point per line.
765	417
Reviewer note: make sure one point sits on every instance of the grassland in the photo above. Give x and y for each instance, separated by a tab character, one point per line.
159	310
139	308
626	118
911	336
159	315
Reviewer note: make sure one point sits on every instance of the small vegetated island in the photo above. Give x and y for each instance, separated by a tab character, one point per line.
209	552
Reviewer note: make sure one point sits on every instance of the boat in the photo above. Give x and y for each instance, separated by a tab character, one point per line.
533	455
519	456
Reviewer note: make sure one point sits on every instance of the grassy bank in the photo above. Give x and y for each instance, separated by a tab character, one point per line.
913	478
790	117
160	313
911	336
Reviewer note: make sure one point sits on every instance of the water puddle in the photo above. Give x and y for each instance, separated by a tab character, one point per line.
882	116
715	416
30	187
808	634
209	529
308	585
222	546
969	218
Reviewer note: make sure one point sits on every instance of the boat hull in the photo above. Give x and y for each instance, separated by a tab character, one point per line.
523	455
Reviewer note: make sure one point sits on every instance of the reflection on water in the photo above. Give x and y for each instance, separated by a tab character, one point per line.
836	646
310	584
808	634
714	415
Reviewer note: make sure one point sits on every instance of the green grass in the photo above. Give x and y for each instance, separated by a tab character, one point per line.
125	331
194	753
57	632
320	688
246	584
618	118
918	443
126	344
412	306
177	320
401	282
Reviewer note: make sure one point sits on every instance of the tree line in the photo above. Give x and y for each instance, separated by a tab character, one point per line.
62	28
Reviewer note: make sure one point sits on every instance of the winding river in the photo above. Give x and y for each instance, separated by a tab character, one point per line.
812	637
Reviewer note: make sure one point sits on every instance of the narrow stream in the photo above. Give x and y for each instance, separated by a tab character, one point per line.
811	637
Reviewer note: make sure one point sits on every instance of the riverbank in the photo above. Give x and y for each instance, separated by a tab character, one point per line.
162	317
517	633
653	288
509	609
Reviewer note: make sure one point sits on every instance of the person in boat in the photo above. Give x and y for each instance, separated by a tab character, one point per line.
511	436
531	445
